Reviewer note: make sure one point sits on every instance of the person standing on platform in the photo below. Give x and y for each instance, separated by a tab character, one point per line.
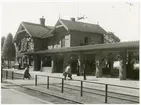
78	67
85	68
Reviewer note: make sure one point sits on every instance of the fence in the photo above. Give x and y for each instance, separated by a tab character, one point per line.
11	74
81	87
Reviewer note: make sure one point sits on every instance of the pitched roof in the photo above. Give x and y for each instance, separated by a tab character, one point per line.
83	27
36	30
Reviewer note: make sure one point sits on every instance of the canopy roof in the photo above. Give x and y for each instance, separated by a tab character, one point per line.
120	45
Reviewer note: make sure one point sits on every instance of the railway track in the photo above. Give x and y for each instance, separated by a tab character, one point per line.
41	95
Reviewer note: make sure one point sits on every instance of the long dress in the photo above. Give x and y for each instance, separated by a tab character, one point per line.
26	73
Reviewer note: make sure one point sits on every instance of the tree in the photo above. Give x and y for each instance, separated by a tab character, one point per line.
2	41
110	37
8	52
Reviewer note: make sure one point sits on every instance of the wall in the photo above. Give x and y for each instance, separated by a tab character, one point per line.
54	42
78	37
40	44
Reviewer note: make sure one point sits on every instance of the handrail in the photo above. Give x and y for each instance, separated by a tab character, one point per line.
123	86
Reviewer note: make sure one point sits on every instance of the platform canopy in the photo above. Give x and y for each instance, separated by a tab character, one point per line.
132	45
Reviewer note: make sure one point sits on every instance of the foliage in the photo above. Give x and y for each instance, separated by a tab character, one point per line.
8	52
2	41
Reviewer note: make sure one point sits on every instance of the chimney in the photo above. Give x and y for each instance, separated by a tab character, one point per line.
72	19
42	21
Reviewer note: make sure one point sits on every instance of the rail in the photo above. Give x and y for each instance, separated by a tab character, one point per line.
48	77
81	85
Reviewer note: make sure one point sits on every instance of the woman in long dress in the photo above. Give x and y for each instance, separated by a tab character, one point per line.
26	73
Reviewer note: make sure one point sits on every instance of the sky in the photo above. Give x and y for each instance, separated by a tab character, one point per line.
121	18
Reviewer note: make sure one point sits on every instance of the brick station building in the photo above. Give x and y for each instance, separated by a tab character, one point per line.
50	48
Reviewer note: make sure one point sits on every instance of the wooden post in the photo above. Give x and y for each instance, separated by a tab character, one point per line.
122	71
53	63
81	88
1	73
65	61
35	80
8	64
12	75
98	58
62	85
81	57
48	82
106	93
6	74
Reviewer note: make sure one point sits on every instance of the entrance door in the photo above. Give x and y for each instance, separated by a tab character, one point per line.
73	64
37	63
59	64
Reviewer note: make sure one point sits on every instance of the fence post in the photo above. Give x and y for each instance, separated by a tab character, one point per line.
6	74
106	92
1	74
81	88
62	85
35	80
47	82
12	75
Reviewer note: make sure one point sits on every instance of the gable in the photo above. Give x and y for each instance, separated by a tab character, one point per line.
20	34
59	24
20	28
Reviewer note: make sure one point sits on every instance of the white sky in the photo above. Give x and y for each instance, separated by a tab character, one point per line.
117	17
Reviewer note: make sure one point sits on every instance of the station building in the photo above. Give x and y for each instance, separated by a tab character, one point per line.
50	48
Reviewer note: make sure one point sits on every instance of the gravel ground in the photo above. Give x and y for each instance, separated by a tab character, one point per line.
46	97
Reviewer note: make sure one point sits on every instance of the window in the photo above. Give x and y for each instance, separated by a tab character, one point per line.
86	40
63	42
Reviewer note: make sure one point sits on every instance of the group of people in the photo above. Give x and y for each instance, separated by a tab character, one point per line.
67	71
80	65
